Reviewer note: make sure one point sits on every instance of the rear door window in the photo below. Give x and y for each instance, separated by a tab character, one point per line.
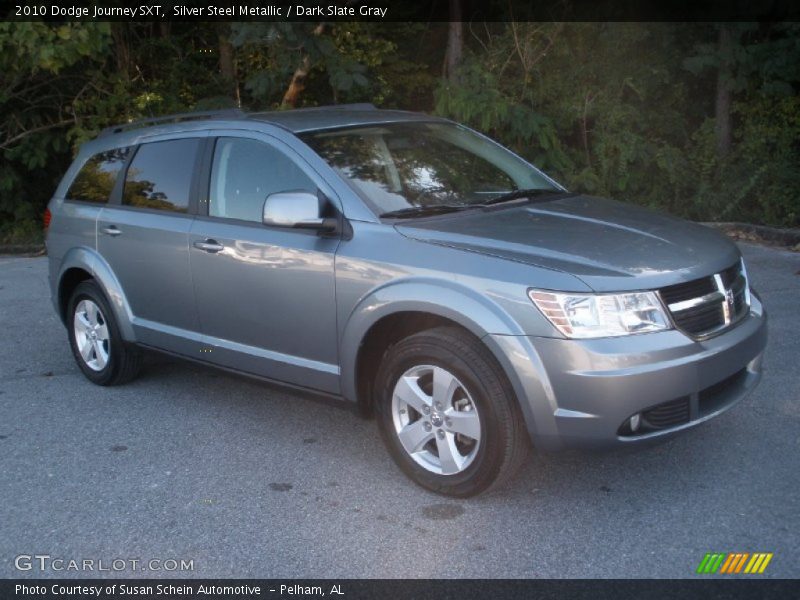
160	175
95	181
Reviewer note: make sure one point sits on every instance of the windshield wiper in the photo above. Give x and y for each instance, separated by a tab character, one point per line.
517	194
424	211
440	209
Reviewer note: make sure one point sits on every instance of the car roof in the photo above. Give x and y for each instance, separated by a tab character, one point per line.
297	121
333	117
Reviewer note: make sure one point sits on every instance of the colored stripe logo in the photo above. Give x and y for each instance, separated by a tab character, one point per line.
734	562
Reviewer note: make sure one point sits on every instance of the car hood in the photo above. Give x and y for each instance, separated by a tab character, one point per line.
611	246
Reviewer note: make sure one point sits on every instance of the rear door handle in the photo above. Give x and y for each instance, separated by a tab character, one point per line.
111	230
211	246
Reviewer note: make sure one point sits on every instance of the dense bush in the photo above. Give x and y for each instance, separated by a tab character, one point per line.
628	110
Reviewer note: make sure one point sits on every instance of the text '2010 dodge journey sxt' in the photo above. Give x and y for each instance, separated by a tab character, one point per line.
409	265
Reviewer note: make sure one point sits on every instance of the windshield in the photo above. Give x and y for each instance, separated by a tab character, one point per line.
399	166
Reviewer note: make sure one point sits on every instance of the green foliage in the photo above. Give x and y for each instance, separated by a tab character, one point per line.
760	180
618	109
28	49
345	62
478	100
277	50
626	110
38	82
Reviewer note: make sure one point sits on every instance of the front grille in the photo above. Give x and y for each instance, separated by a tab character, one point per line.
668	414
688	290
703	318
708	305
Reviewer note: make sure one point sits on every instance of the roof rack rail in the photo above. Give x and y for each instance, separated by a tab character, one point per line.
176	118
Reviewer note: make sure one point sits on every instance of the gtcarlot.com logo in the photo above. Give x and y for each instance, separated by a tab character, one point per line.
731	563
45	562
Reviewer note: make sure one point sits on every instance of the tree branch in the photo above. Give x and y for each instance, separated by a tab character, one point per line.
13	139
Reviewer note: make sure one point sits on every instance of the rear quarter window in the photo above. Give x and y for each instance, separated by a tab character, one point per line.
95	181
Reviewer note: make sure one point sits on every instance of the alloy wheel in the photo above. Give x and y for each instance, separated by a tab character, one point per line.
91	334
436	420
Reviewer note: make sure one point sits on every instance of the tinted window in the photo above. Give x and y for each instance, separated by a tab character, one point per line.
160	175
245	172
95	181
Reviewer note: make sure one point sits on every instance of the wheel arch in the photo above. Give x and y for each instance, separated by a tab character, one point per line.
68	281
399	310
81	264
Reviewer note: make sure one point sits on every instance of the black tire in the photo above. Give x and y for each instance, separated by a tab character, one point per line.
124	360
504	442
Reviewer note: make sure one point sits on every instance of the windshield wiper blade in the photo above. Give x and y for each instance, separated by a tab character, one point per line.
424	211
439	209
517	194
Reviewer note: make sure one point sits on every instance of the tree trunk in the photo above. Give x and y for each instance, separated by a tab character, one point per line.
585	129
227	66
122	55
722	109
298	82
455	42
296	85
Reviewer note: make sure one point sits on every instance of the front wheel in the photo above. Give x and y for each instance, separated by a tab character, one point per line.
101	353
447	413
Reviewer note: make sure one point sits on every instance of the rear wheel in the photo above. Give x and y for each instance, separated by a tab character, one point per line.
447	414
98	348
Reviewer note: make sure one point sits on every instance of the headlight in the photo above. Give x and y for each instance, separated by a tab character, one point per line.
601	315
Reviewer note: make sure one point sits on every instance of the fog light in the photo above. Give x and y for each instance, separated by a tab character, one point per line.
635	422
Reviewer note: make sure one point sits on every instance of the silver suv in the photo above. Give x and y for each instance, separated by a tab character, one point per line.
410	266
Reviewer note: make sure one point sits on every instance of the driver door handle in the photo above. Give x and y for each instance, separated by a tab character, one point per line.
209	245
111	230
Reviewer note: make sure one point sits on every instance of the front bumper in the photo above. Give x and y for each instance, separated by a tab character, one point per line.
580	393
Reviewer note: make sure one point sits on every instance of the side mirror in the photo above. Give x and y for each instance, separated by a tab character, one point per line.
296	210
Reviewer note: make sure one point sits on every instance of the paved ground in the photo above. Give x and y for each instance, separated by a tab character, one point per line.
248	481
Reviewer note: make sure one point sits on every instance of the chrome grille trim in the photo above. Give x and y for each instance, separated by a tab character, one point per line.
694	302
713	312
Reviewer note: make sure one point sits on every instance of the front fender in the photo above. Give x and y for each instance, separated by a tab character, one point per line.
462	305
90	261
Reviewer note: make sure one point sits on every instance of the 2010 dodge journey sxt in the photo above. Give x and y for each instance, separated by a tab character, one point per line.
409	265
